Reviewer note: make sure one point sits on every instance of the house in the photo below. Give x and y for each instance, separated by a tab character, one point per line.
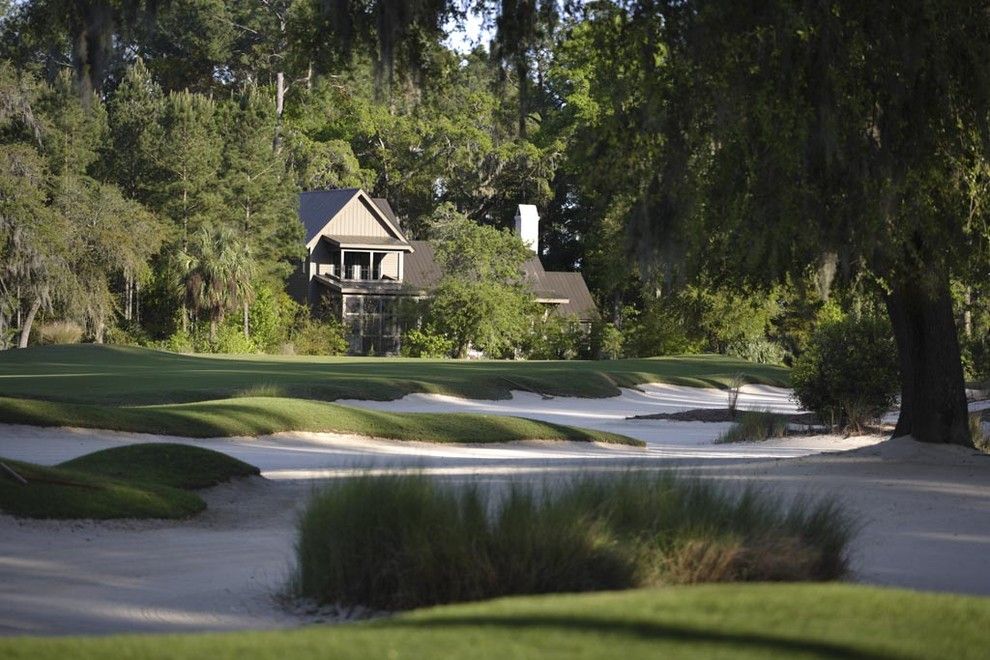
360	264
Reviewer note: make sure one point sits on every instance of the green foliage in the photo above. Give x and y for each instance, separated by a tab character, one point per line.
441	544
230	339
607	341
481	299
658	329
273	315
755	426
423	343
320	337
848	375
557	337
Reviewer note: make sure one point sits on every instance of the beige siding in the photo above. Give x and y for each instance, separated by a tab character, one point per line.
390	265
356	219
320	259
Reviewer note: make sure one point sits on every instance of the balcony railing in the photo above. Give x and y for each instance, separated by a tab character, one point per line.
356	273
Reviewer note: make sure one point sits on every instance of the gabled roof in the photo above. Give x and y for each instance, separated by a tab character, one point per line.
573	287
318	207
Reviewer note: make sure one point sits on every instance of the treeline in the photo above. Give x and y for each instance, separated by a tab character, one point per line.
151	147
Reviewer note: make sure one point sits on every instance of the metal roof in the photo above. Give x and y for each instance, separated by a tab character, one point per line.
316	207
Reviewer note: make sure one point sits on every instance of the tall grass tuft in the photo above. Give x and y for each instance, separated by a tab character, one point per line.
981	440
755	425
402	541
60	332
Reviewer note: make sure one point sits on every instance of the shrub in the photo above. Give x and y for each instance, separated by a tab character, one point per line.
976	359
848	375
325	337
179	342
557	338
60	332
981	439
761	351
425	344
272	316
402	541
231	339
753	426
606	341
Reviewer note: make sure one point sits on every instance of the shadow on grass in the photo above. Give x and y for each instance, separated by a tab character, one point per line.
651	632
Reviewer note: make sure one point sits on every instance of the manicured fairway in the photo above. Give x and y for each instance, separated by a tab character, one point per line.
710	621
132	376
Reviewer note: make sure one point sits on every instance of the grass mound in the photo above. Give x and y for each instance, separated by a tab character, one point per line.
755	426
137	481
263	415
435	543
168	464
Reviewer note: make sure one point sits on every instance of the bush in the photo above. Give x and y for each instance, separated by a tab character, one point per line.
606	341
981	439
179	342
761	351
60	332
404	541
425	344
272	316
231	339
976	359
557	338
755	426
848	375
324	337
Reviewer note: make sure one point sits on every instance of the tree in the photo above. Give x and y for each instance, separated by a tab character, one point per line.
217	271
482	299
815	133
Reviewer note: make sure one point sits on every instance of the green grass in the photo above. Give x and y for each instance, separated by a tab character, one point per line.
707	621
438	543
123	375
137	481
174	465
252	416
755	426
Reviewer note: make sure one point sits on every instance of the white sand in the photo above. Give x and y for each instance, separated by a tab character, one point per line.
925	510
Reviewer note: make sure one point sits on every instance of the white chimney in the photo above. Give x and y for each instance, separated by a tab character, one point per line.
528	226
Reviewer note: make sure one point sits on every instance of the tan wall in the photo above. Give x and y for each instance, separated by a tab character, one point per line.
320	259
355	220
390	265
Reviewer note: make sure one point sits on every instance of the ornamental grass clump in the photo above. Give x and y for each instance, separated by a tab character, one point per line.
755	426
404	541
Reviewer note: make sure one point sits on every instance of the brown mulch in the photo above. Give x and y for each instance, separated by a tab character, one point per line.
720	415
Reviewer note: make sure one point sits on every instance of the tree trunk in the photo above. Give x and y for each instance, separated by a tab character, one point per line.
100	331
279	108
213	333
246	328
28	322
933	393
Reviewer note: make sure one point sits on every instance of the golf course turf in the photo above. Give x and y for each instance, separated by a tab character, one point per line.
729	620
140	390
252	416
138	481
117	375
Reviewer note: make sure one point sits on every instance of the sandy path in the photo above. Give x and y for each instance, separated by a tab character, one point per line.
925	513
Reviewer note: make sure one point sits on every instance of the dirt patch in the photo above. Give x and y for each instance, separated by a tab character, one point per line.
723	415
